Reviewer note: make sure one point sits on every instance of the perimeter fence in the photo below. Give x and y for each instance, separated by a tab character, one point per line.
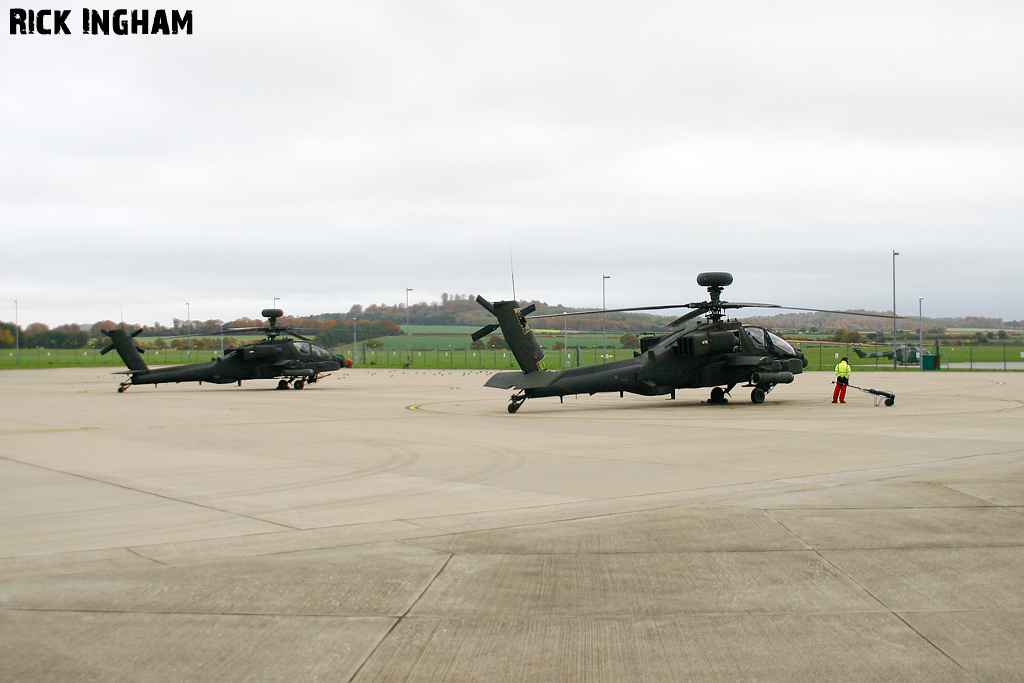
821	355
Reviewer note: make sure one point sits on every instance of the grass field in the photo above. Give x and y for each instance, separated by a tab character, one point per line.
57	358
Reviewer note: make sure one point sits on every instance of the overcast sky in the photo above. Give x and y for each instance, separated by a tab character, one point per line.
333	153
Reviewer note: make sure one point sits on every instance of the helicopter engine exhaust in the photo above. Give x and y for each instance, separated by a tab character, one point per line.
772	378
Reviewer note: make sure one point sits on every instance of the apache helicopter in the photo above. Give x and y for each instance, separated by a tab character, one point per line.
298	362
905	354
713	353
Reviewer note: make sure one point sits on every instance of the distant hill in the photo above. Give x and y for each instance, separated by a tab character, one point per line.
462	310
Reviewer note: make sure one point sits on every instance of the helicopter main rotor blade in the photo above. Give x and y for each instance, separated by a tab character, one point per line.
611	310
689	316
747	304
703	306
826	310
245	329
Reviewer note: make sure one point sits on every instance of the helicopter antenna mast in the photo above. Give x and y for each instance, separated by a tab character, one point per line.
512	268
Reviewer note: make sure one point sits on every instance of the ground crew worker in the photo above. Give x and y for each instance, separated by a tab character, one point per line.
843	371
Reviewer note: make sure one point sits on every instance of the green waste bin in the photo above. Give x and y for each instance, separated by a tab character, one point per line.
930	362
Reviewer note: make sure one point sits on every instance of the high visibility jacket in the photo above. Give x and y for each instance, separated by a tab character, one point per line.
843	369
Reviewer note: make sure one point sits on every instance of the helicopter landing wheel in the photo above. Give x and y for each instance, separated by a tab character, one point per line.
120	390
718	396
283	384
516	402
757	396
299	384
889	402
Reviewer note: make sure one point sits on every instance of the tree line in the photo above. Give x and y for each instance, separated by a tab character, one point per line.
37	335
378	320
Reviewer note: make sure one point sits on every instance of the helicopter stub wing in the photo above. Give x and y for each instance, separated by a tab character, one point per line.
743	361
519	380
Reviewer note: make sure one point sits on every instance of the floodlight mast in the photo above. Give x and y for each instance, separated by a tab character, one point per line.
188	314
920	328
408	337
894	255
565	338
604	322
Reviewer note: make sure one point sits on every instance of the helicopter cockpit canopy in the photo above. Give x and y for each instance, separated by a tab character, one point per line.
306	349
770	341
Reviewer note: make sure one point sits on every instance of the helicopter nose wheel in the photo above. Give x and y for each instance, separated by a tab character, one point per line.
283	384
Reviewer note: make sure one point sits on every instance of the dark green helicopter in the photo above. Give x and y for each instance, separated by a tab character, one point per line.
905	354
297	361
713	353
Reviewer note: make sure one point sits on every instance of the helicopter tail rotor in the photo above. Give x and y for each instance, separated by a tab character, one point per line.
126	347
516	330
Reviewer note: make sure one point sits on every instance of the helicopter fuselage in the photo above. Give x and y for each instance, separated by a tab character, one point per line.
708	354
296	361
261	360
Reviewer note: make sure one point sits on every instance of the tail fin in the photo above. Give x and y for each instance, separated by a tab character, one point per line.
126	348
856	350
516	331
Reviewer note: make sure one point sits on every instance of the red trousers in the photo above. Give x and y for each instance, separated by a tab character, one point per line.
839	394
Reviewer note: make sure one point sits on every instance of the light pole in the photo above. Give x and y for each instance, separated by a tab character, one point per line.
17	335
188	315
408	338
894	255
565	337
604	323
355	342
920	329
